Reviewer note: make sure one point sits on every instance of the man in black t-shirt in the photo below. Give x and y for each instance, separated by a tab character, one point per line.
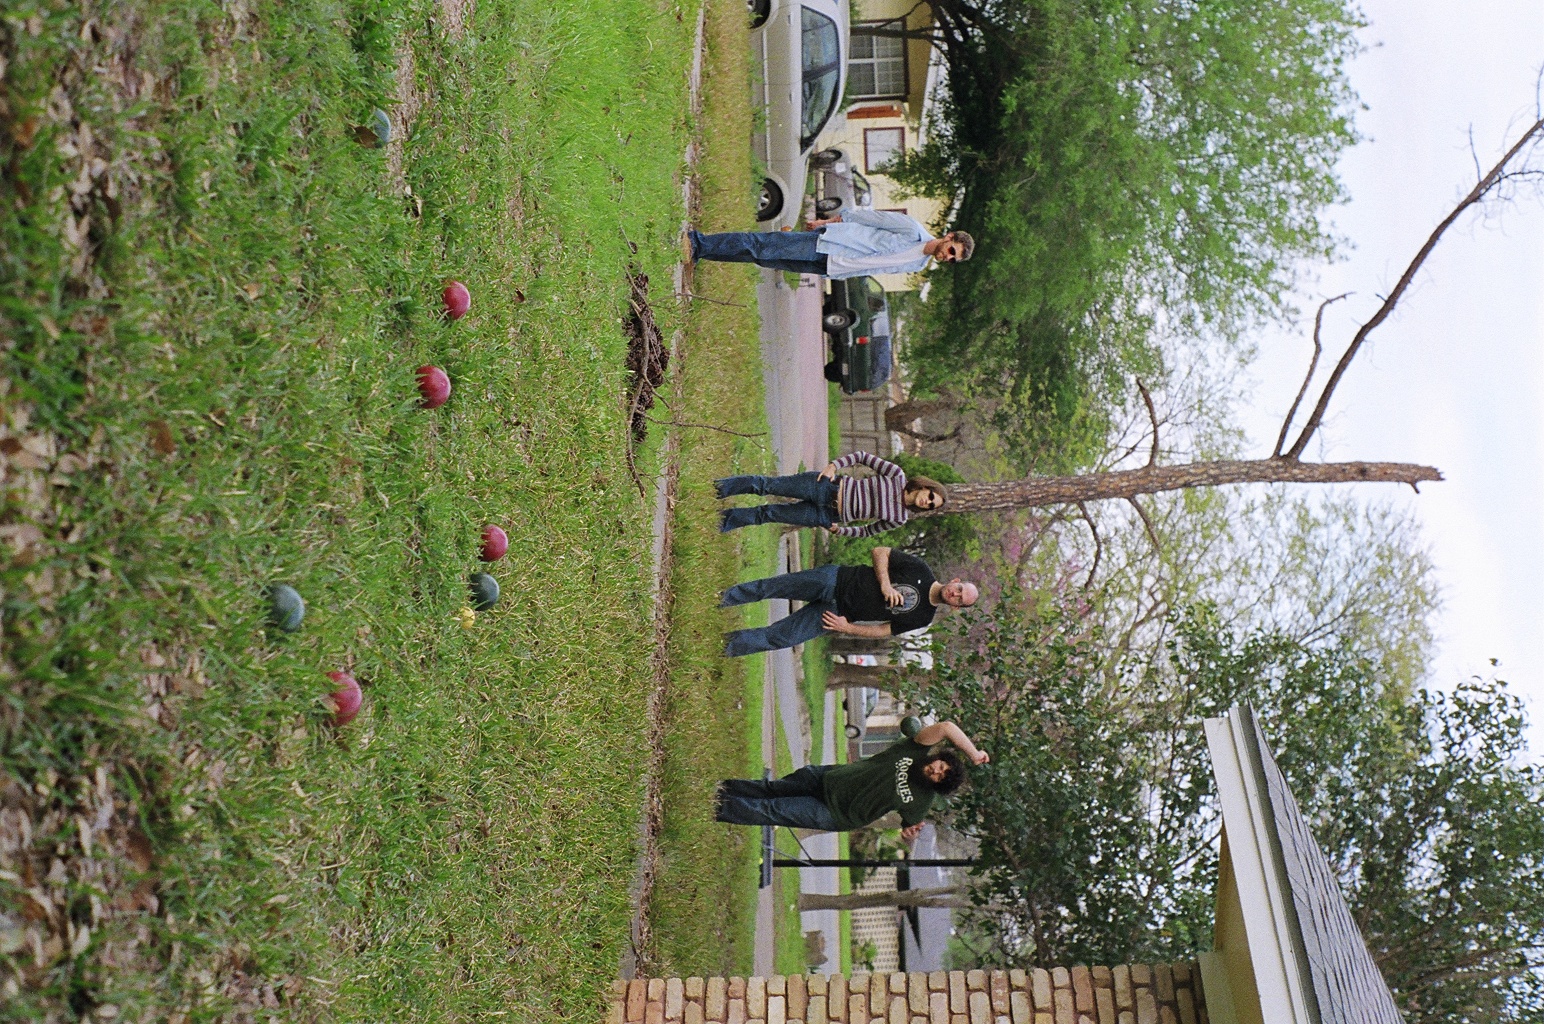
906	777
896	595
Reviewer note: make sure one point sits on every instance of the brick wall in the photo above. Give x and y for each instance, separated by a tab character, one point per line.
1134	994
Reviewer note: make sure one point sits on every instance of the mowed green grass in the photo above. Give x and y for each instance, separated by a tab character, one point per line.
214	302
704	903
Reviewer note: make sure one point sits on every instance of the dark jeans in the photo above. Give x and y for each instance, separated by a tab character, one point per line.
794	800
775	250
816	505
817	586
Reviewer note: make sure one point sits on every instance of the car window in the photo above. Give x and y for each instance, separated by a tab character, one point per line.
876	294
821	63
860	189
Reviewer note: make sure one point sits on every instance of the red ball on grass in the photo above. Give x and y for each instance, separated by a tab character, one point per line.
495	543
457	300
434	386
346	698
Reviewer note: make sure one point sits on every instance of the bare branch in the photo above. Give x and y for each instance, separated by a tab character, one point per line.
1152	414
1098	545
702	426
1152	534
1313	364
1481	189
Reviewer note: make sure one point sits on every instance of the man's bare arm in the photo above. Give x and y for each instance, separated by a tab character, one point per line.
932	734
881	557
838	624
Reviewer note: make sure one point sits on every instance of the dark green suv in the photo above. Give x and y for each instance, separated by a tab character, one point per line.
856	318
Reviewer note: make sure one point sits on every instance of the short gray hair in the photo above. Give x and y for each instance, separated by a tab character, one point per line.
968	243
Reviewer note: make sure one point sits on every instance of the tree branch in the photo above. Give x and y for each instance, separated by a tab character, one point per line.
1152	414
1480	190
1313	364
1152	534
1098	545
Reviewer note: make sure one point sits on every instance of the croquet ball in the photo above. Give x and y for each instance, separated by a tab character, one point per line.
286	608
382	125
485	591
434	385
910	726
457	300
345	699
495	543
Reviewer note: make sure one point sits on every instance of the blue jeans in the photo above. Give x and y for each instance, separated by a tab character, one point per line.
817	586
775	250
816	505
794	800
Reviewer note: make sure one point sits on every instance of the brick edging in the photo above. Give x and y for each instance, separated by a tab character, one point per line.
1124	994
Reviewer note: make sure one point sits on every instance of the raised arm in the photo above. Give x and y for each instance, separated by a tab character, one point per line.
881	467
938	731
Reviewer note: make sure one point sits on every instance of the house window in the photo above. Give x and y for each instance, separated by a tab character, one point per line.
877	68
880	144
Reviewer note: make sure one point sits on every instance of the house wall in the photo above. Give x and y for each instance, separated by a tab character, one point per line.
1125	994
1230	944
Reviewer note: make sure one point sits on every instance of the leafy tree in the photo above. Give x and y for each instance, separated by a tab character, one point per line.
1117	158
1097	820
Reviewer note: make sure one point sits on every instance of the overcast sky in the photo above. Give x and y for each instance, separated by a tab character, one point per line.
1456	379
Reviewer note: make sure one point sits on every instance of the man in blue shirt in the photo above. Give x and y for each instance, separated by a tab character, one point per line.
847	245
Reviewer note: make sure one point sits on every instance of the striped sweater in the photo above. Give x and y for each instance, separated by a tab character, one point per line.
878	498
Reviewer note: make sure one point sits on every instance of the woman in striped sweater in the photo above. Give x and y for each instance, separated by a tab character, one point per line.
880	502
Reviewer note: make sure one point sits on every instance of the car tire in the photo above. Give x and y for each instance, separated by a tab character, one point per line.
769	201
758	10
834	372
826	158
853	732
828	205
839	320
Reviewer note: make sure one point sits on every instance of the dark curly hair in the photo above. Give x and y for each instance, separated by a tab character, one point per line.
956	776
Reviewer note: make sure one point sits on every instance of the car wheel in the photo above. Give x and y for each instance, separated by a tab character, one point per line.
840	320
758	10
828	205
826	157
769	203
834	372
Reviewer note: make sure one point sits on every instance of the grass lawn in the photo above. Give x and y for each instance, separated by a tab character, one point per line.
214	301
704	904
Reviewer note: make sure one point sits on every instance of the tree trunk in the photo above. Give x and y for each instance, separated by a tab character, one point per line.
942	896
1037	492
877	676
898	417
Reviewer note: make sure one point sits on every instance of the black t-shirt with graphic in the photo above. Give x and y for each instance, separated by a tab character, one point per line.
858	598
891	780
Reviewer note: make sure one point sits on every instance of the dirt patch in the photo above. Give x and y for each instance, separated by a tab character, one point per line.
648	356
454	15
409	103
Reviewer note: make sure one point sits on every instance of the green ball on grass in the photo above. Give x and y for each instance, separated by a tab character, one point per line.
485	591
286	608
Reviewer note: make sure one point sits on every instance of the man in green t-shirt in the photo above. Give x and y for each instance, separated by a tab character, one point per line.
904	777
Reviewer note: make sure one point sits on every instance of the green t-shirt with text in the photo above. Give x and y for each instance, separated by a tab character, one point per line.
891	780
